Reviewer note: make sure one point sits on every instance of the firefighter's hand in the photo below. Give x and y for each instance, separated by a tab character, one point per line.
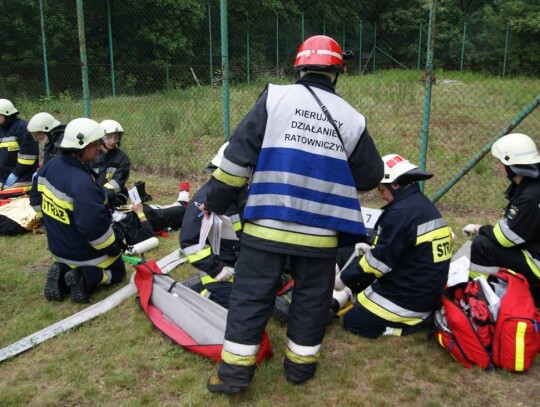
225	274
361	248
471	229
204	211
339	284
12	179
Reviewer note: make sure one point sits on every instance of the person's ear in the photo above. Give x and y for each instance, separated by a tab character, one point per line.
394	185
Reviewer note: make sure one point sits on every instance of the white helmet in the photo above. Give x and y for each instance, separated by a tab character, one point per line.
7	108
401	171
112	126
516	149
43	121
81	132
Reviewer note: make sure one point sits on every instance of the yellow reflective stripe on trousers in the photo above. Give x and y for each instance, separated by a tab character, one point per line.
302	354
520	346
229	179
192	258
384	313
238	354
283	236
532	264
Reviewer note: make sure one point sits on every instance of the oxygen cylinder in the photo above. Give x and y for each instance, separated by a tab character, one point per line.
144	246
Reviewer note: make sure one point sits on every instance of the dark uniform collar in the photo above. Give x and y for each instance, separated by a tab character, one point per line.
317	81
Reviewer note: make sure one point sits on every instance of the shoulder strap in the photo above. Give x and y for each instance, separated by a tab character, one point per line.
326	112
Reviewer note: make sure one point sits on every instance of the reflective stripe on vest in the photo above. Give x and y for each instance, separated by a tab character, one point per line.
284	236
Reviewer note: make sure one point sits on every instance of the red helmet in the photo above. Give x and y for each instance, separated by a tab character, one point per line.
319	53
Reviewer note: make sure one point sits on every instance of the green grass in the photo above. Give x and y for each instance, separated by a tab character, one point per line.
120	359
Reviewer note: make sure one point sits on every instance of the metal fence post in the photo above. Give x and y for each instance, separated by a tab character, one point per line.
463	46
505	49
111	53
247	48
374	45
427	98
45	65
360	49
419	46
84	62
225	69
277	43
302	26
210	41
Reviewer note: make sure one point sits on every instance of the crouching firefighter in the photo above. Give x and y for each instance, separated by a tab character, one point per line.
79	224
408	262
216	270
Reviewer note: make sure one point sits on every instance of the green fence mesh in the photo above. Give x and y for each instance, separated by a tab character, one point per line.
156	67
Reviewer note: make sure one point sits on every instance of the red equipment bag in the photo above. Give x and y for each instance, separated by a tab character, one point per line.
468	329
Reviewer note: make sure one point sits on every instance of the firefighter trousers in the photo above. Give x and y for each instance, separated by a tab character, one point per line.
256	282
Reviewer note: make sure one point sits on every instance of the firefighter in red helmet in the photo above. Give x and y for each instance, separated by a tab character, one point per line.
306	152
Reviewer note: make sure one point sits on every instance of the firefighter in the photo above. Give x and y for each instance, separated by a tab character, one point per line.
113	166
216	270
306	169
44	126
408	262
19	152
78	222
514	242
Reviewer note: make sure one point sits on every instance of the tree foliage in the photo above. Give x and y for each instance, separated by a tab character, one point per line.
176	31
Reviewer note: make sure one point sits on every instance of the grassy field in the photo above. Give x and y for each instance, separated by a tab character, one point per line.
120	359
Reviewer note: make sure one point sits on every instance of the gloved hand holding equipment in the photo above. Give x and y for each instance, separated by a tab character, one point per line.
361	248
225	274
12	179
471	229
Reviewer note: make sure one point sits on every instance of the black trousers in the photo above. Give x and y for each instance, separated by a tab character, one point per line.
162	218
93	275
257	279
486	253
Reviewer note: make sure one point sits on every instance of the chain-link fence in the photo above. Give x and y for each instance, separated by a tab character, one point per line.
158	71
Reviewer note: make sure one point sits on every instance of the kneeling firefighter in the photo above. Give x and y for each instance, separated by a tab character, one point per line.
408	262
79	224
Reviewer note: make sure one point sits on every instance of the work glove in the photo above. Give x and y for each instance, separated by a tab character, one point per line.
361	248
12	179
471	229
338	283
225	274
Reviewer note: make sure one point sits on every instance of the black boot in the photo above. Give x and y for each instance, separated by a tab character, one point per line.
56	287
142	191
77	285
